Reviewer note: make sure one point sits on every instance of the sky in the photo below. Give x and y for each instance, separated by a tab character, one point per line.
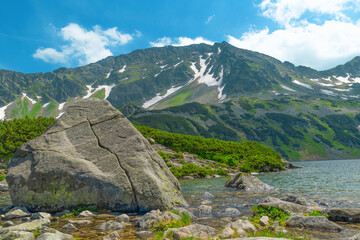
41	36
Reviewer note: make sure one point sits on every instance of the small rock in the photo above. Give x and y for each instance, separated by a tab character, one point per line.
227	233
205	202
86	213
355	237
20	235
188	177
54	236
154	217
70	227
183	210
264	221
205	209
4	187
122	218
143	234
112	236
40	215
241	232
193	230
151	140
247	182
8	224
281	230
217	176
30	226
208	196
80	222
243	224
231	212
17	212
62	213
208	176
111	225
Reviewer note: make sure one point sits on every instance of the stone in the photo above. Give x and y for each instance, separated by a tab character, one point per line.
70	227
40	215
205	209
351	215
30	226
355	237
319	223
287	206
241	232
193	230
80	222
17	213
205	202
54	236
227	233
182	211
111	225
280	229
143	234
86	213
243	224
188	177
264	221
62	213
112	236
247	182
20	235
208	196
298	200
8	224
4	187
230	212
122	218
91	155
153	218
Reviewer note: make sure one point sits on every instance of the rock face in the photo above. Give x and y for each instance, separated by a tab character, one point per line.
247	182
92	155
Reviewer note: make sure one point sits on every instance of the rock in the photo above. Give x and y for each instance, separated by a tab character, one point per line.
281	230
143	234
25	219
264	221
302	201
122	218
355	237
40	215
227	233
181	211
208	196
8	224
153	218
112	236
351	215
70	227
62	213
241	232
243	224
217	176
91	155
260	238
230	212
193	230
205	202
111	225
188	177
17	213
247	182
4	187
20	235
54	236
205	209
319	223
86	213
80	222
286	206
30	226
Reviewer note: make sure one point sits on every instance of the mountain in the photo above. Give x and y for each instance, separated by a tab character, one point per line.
213	91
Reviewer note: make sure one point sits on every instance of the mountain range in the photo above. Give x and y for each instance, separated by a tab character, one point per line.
210	90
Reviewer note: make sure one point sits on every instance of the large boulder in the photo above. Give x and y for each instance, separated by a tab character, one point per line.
351	215
92	155
319	223
289	207
247	182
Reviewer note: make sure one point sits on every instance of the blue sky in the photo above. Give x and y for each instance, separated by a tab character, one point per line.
40	36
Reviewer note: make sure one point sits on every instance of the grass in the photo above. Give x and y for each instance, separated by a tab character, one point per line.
185	220
274	214
100	94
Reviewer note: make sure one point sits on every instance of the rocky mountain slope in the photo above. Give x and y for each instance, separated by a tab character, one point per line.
213	91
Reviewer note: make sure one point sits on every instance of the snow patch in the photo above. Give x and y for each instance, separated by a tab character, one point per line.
25	96
46	104
343	79
92	90
88	92
123	69
108	74
178	63
61	106
159	97
302	84
60	114
219	50
287	88
163	66
2	111
342	90
327	92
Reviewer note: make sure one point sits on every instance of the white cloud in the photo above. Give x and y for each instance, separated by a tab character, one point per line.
180	41
208	20
86	46
285	12
318	46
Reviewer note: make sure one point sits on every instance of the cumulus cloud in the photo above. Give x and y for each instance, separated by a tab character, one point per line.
179	41
86	46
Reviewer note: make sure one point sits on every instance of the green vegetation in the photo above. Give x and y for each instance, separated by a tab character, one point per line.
16	132
273	234
2	177
191	169
99	94
274	214
254	156
163	226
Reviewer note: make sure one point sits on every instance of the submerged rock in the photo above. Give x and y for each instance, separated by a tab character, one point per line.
91	155
247	182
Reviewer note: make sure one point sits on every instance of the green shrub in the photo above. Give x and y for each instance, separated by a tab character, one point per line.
191	169
273	213
164	155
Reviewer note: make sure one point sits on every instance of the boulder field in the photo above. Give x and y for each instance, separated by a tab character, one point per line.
91	156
